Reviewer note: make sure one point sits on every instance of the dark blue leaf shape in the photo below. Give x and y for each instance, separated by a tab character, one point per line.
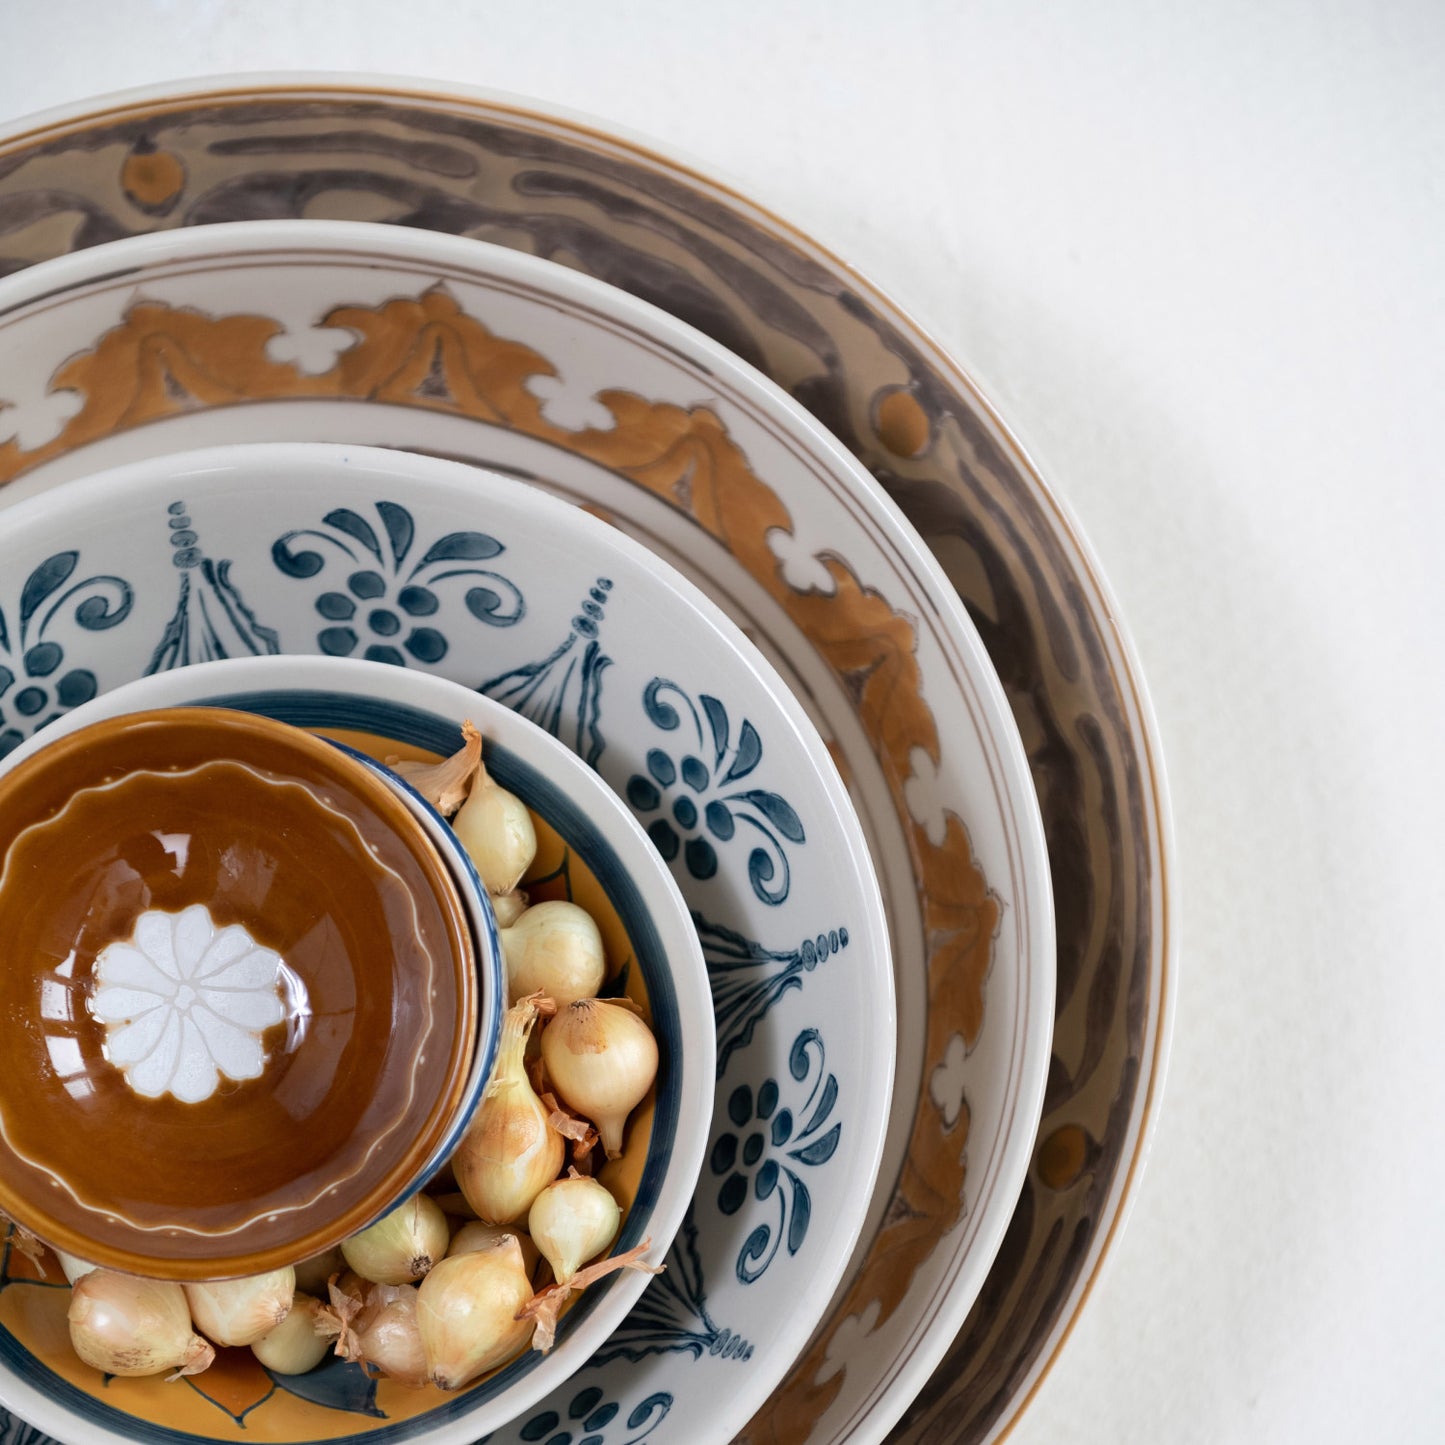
345	520
733	1194
767	1179
486	605
660	1401
820	1150
337	1384
776	810
295	564
399	529
382	652
760	873
42	659
724	1153
754	1249
30	700
798	1054
601	1419
782	1128
461	547
685	811
584	1402
664	839
802	1214
749	754
336	607
9	741
367	584
76	687
740	1105
720	821
337	641
717	719
641	794
417	601
661	767
662	714
426	644
540	1426
44	580
701	858
694	773
95	614
825	1104
767	1098
6	678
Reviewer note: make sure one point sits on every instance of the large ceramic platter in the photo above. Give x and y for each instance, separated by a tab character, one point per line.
451	345
614	208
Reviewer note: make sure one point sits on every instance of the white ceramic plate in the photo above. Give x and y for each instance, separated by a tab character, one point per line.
412	340
301	548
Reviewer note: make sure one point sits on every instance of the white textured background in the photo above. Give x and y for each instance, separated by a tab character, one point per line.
1196	254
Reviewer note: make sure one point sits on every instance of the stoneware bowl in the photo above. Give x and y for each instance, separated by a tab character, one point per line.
590	850
240	999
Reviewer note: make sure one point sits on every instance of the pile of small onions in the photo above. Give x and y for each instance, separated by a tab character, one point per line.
447	1286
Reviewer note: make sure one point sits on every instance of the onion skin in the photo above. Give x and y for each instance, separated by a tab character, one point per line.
554	948
497	831
466	1312
401	1246
240	1311
573	1221
294	1346
602	1060
476	1235
511	1152
134	1327
389	1336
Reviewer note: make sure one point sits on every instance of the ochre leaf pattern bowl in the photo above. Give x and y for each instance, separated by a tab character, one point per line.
422	342
242	998
436	337
720	781
519	175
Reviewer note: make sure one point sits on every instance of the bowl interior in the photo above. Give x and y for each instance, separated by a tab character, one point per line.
245	1012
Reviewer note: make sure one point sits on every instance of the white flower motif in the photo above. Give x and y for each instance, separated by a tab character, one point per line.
923	796
946	1082
804	569
185	1002
569	406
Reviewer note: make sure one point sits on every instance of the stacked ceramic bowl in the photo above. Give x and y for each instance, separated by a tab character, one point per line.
885	872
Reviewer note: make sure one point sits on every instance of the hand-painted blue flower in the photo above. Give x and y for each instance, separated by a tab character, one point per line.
697	813
762	1130
589	1414
44	691
374	605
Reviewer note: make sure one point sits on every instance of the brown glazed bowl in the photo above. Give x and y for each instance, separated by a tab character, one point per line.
237	997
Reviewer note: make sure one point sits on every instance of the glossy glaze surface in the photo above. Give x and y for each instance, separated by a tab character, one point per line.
238	993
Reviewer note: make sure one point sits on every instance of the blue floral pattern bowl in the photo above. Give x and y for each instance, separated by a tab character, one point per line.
437	574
